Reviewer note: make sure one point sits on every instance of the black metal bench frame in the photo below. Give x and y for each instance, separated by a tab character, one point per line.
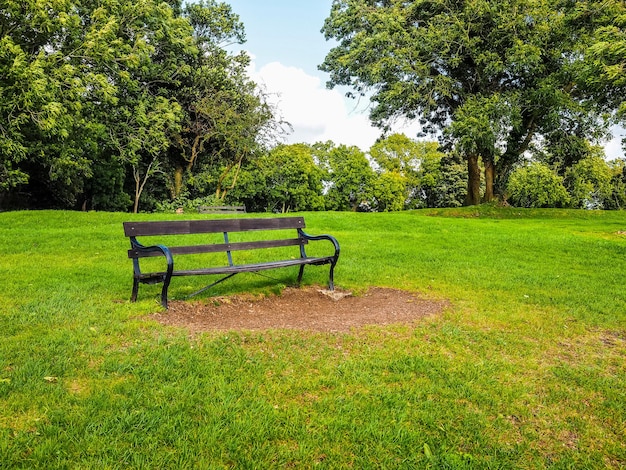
224	226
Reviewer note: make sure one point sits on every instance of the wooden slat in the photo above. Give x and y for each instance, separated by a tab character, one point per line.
185	227
221	247
243	268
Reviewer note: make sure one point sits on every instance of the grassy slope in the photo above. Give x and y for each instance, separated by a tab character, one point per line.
526	369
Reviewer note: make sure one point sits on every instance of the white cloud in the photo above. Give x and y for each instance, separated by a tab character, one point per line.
316	113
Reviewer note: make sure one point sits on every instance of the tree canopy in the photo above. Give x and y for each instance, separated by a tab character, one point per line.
139	92
121	105
493	79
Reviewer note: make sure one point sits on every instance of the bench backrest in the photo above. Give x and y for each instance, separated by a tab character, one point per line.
225	226
220	209
187	227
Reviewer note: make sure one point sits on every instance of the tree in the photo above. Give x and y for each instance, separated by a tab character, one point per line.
226	115
445	185
42	130
84	81
590	183
389	192
502	72
348	175
282	180
618	185
418	162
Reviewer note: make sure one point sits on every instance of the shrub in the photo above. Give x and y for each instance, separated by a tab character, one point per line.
185	204
590	183
536	185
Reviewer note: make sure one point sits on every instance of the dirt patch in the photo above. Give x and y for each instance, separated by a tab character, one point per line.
308	309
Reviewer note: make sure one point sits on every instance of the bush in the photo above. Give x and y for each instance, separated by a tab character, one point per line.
536	185
590	183
185	204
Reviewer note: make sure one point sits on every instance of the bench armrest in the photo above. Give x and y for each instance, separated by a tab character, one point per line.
162	249
330	238
140	251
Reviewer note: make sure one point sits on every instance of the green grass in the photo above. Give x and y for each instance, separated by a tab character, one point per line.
526	369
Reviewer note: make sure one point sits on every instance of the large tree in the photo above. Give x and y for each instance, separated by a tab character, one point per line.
501	72
80	85
226	115
120	90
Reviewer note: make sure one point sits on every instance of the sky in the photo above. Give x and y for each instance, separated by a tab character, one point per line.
283	37
284	40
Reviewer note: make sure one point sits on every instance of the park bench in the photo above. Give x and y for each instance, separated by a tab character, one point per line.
222	209
222	243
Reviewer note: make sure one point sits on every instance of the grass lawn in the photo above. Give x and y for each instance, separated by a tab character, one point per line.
526	369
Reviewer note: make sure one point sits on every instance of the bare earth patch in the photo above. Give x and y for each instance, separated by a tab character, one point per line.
307	308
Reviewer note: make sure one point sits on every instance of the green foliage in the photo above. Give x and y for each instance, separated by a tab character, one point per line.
417	162
227	119
606	55
285	179
184	204
496	76
447	185
536	185
399	153
430	178
481	124
349	176
618	184
215	24
130	84
590	183
105	191
389	192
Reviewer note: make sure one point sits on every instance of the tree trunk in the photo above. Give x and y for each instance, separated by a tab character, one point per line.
489	179
178	181
473	181
138	188
221	191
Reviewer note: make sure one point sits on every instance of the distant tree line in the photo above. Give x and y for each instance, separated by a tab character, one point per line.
397	173
121	105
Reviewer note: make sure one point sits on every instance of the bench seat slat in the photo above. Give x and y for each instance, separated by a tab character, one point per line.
243	267
220	247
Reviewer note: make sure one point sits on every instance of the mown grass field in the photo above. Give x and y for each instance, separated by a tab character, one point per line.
526	369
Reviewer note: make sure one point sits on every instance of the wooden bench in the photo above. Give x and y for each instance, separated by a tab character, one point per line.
222	209
227	266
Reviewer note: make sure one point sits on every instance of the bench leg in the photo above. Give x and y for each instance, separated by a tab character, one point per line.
166	284
300	274
133	296
331	277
